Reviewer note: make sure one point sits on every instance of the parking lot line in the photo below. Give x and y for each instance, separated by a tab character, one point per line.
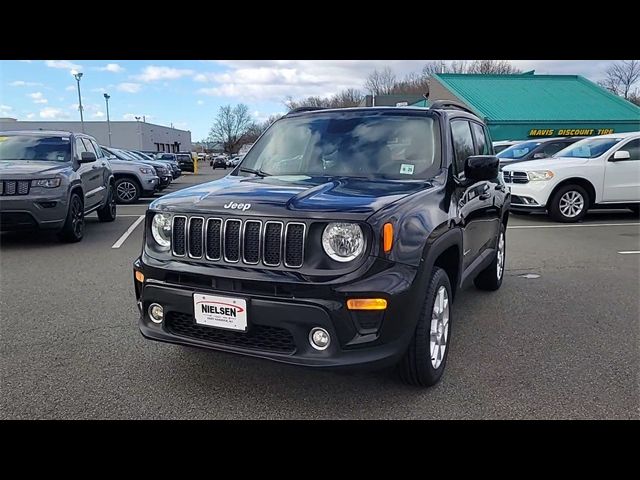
630	252
576	225
129	231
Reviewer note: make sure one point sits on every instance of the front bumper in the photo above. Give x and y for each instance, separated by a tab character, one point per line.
150	184
530	196
185	167
280	316
33	211
165	180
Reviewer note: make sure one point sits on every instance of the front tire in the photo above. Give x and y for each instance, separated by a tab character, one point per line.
491	277
569	204
108	212
73	229
425	359
127	191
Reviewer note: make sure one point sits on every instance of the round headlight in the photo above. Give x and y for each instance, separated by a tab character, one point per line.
343	241
161	229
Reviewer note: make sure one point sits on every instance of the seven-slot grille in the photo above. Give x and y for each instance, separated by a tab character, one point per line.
251	242
515	177
14	187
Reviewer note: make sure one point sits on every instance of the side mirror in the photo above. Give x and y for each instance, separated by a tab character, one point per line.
481	167
540	155
620	155
87	157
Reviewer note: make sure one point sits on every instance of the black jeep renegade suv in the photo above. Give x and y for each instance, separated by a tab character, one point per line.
340	240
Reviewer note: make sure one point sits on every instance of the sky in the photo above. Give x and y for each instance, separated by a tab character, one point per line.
188	93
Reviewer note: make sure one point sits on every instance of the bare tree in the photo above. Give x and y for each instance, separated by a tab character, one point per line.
350	97
458	66
413	83
620	78
230	125
313	101
436	66
380	82
495	67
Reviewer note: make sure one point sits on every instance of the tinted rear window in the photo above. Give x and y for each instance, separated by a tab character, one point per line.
32	147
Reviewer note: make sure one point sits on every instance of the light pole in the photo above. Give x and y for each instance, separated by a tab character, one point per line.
106	99
78	76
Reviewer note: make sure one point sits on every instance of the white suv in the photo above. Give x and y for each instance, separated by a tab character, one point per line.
603	170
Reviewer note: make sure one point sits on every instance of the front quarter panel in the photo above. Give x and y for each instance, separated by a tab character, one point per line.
415	219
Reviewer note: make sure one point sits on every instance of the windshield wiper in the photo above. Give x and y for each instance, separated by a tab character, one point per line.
259	173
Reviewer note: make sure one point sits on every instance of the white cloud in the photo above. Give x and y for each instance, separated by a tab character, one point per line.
22	83
30	116
112	67
37	97
129	87
99	114
70	88
274	80
132	116
66	64
51	113
26	61
200	102
153	73
5	109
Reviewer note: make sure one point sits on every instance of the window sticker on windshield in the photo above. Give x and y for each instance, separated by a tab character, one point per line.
61	158
406	168
2	139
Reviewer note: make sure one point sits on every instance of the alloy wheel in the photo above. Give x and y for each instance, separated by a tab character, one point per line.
439	332
571	204
126	191
500	269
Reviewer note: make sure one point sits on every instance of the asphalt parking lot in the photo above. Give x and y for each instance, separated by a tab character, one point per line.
559	340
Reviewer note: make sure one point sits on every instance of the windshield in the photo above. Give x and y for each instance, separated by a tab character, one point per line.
352	144
588	148
184	157
139	156
518	151
122	155
32	147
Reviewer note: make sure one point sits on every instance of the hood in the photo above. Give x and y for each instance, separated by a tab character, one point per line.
126	163
289	196
31	168
545	164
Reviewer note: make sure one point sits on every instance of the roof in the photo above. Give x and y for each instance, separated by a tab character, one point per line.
59	133
531	97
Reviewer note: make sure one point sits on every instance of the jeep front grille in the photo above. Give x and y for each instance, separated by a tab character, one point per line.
14	187
233	240
515	177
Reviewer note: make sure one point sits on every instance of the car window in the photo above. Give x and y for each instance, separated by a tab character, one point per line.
30	147
633	147
89	147
80	147
518	151
96	147
352	144
462	143
591	147
550	148
482	146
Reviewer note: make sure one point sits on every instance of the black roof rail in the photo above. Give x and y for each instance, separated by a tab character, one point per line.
305	109
451	104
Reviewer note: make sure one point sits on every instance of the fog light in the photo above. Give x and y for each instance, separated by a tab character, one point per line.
319	338
156	312
139	276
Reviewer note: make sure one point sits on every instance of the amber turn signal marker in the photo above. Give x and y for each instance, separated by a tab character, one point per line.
387	237
366	304
139	276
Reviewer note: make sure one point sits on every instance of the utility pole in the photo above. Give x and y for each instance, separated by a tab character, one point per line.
106	99
78	76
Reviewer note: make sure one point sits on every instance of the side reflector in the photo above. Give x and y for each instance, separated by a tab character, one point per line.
366	304
139	276
387	237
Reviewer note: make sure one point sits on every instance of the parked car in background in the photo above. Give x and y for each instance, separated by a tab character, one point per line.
185	162
534	149
219	162
235	161
171	159
161	169
50	180
595	171
133	180
502	144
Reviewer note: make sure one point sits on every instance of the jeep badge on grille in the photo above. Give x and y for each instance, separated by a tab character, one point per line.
238	206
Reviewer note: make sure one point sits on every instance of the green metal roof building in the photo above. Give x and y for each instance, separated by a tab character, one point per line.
521	106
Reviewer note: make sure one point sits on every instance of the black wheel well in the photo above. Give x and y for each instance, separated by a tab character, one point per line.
77	189
449	261
583	182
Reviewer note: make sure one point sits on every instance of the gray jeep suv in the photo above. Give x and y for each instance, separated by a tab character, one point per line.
51	180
